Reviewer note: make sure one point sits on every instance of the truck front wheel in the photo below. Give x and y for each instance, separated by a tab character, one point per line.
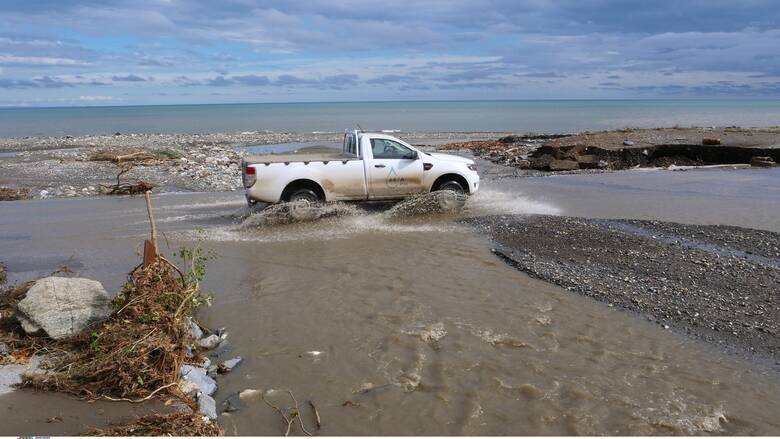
451	185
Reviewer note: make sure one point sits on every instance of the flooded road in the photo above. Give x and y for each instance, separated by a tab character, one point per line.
411	325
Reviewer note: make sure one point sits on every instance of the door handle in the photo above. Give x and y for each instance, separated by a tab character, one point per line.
379	166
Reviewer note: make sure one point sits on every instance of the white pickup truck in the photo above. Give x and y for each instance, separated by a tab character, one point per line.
371	166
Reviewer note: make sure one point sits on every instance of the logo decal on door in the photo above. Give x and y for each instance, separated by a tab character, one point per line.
393	180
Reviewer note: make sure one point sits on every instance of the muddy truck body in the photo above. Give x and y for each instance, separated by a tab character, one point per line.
370	166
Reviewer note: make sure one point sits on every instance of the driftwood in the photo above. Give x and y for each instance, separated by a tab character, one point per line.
125	188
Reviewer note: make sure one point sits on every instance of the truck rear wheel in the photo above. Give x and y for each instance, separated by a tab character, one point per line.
304	194
303	204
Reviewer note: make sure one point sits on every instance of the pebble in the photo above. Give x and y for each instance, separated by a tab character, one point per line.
207	406
198	377
209	342
228	365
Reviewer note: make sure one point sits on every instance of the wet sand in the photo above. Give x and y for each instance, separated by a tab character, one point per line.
415	322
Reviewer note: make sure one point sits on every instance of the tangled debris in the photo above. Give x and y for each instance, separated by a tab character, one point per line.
138	351
178	424
136	156
126	188
8	194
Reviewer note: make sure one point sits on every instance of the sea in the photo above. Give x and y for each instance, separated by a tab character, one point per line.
540	116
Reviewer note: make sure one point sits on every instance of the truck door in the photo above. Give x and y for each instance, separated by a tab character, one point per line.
395	170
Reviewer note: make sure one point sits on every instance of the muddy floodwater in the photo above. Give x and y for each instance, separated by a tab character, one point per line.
396	324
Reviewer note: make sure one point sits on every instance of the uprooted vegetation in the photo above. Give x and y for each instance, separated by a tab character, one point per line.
179	424
135	355
126	187
138	156
9	194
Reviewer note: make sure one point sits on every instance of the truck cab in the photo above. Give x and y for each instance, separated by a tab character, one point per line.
370	166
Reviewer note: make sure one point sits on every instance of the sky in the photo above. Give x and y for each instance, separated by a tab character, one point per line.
133	52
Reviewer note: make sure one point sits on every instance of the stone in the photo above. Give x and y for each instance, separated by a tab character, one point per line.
510	139
249	394
523	164
542	162
588	161
63	306
209	342
198	377
762	162
207	406
628	143
564	165
710	141
228	365
194	329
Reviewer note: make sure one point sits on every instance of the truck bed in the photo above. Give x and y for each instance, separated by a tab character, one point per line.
315	154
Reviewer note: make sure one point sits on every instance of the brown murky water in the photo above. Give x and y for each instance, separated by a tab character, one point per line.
402	326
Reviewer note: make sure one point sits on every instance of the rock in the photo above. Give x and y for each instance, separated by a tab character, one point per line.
588	161
194	329
4	350
249	394
228	365
628	143
207	406
209	342
510	139
762	162
523	164
710	141
542	162
564	165
212	371
188	388
199	378
63	306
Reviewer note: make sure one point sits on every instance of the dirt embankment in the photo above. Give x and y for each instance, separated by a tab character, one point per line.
627	148
717	283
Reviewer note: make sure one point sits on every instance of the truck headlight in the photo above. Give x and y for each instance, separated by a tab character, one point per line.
472	166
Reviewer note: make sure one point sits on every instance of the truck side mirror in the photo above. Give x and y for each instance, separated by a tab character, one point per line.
412	156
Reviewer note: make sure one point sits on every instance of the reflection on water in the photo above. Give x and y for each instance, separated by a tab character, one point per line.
409	325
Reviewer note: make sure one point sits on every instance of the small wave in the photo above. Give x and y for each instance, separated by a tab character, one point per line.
490	202
431	333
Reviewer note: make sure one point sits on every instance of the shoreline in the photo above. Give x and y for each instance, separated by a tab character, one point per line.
66	166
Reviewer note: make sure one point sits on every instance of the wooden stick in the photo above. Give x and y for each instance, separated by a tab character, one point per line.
148	194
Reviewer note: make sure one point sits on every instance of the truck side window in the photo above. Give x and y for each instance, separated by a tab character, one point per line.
388	149
350	148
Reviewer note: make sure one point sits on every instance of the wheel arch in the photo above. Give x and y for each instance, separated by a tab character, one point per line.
451	176
302	183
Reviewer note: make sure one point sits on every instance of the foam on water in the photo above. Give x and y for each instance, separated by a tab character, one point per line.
430	212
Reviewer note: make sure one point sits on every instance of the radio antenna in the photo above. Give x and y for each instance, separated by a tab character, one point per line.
359	127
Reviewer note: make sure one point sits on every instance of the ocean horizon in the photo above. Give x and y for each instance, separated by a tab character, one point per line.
542	116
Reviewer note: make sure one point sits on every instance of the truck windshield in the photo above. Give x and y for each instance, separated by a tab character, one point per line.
388	149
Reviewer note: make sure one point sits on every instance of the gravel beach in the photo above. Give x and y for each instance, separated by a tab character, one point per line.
61	166
716	283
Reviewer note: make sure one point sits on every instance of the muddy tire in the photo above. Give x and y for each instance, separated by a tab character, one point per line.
451	185
303	204
306	195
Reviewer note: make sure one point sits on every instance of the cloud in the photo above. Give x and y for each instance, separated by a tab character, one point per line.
128	78
96	98
39	61
321	49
